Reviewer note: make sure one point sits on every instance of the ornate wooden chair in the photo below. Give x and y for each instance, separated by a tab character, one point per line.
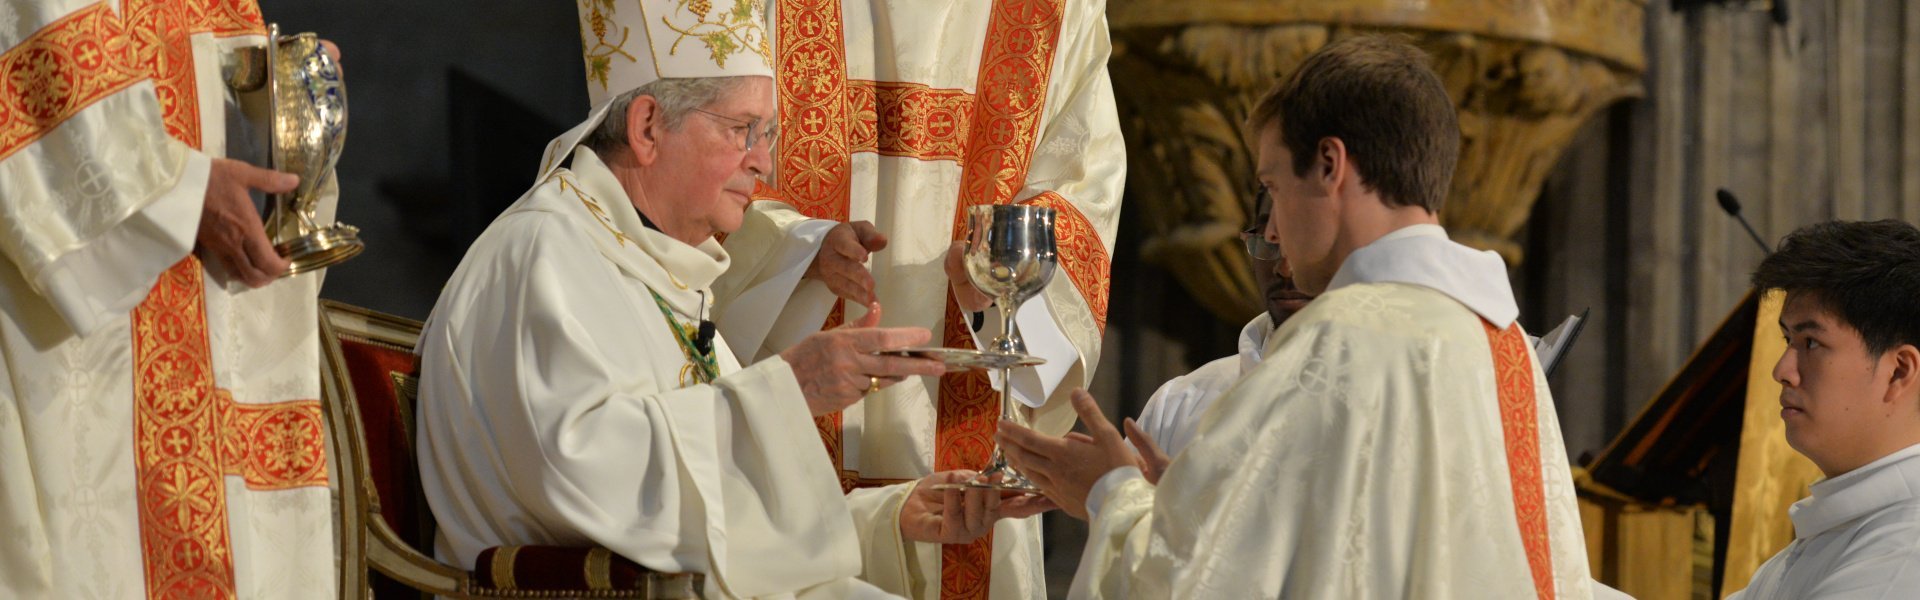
368	389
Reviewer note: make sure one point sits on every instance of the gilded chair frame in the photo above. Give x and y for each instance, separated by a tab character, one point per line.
365	540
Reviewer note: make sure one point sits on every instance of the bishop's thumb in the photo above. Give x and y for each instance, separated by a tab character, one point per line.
869	320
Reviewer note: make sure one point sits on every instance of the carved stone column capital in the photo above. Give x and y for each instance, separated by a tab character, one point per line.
1525	74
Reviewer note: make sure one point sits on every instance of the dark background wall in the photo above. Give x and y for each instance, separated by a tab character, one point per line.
450	104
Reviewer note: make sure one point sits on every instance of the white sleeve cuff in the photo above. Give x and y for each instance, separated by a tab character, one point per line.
1097	496
782	308
1044	339
113	274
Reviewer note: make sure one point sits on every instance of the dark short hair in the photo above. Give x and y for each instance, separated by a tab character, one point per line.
1866	273
1377	94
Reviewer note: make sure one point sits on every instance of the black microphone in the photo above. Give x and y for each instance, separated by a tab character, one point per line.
703	341
1732	206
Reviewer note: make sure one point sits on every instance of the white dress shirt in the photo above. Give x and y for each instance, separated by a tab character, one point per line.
1857	537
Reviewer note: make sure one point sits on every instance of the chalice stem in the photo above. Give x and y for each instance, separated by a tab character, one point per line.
1008	477
303	218
1006	397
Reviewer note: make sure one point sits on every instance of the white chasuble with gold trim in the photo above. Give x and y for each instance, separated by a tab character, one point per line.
558	407
1397	440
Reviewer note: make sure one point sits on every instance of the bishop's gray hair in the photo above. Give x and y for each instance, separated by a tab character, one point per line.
677	97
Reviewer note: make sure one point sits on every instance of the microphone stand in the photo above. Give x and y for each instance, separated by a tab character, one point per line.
1732	206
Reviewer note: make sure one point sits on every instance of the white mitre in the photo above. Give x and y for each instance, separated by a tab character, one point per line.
631	43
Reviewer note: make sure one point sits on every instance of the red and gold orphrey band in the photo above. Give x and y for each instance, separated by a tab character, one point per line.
1519	423
275	446
190	435
167	57
1014	71
75	61
183	500
814	156
922	122
991	133
59	71
228	18
162	32
1082	255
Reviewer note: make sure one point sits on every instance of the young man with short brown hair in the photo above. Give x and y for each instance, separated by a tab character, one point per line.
1397	440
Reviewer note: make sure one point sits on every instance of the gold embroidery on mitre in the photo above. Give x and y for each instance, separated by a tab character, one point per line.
599	53
738	29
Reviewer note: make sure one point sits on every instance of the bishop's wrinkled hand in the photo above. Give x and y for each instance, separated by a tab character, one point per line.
837	367
953	516
1066	467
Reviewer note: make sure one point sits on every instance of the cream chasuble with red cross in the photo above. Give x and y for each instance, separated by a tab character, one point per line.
904	114
160	435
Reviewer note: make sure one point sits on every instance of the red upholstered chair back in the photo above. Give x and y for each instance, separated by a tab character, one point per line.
386	533
372	383
385	379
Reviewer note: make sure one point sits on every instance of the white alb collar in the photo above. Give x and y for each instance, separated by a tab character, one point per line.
678	272
1422	255
1838	500
1253	340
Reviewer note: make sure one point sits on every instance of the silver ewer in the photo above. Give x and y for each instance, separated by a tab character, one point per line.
1010	255
307	122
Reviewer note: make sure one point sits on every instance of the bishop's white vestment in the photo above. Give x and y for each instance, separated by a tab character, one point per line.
904	115
559	406
1383	449
1857	536
160	429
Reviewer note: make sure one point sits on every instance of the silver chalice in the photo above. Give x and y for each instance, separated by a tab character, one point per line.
1010	255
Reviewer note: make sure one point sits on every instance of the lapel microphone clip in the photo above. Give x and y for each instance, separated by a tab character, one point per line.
703	341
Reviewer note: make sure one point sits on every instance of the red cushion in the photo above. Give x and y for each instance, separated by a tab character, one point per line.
385	419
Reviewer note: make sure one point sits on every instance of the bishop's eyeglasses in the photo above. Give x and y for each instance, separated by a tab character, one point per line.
1255	236
747	134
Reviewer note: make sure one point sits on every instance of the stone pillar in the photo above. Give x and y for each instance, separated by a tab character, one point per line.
1524	73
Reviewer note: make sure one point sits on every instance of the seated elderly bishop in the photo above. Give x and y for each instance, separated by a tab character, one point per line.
572	393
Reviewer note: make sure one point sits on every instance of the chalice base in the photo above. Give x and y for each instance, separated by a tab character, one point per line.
965	359
1012	490
322	248
1009	479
